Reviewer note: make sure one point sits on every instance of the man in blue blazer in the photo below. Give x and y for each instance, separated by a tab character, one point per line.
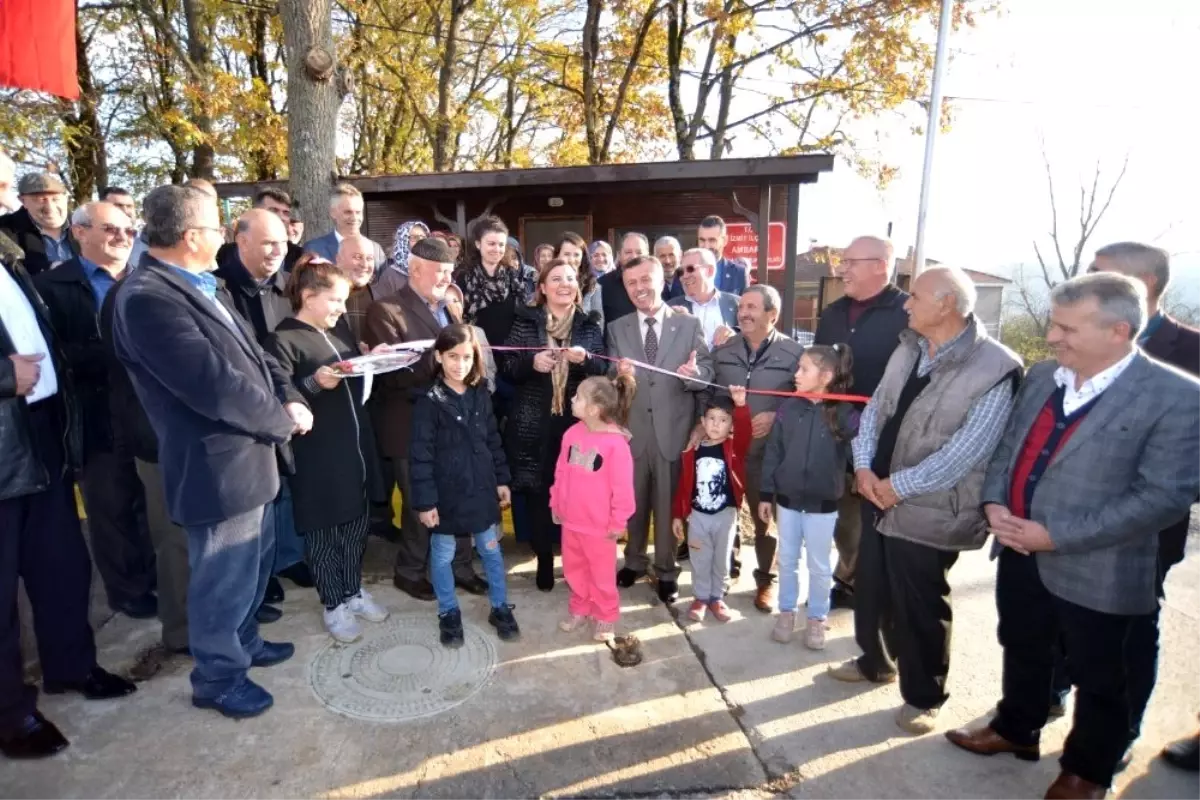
223	411
716	310
346	208
711	235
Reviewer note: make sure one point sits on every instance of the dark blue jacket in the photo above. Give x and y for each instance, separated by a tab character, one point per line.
213	397
456	460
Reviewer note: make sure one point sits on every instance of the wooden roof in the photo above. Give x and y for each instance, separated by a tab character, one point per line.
777	170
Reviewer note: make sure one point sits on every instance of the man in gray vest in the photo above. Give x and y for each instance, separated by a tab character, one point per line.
922	449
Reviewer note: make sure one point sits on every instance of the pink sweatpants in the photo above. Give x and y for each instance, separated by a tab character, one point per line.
590	567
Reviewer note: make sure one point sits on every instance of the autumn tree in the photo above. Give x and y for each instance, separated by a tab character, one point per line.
611	106
801	71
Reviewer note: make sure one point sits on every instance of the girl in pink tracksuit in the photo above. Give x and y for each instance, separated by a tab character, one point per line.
592	498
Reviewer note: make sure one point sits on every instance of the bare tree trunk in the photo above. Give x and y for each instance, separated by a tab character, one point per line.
591	50
312	109
199	53
725	99
86	160
676	35
441	131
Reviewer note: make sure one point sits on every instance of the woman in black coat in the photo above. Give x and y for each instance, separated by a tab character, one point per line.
336	471
545	381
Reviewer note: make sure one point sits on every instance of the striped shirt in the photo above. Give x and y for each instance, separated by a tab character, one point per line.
970	445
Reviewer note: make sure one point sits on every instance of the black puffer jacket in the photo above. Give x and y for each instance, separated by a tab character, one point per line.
21	471
456	460
533	436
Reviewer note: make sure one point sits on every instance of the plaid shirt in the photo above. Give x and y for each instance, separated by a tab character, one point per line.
356	309
971	444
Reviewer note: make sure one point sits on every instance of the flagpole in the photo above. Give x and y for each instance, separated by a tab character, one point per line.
931	131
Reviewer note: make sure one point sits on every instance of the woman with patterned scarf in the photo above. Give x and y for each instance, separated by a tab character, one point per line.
393	279
492	290
545	380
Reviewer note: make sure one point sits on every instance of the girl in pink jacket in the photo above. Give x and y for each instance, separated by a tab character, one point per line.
592	498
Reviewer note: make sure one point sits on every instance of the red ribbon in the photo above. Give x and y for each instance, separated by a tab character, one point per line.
848	398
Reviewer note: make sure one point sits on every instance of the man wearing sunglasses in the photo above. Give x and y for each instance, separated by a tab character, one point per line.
112	494
716	310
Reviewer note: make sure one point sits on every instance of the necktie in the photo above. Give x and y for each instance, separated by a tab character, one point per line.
651	341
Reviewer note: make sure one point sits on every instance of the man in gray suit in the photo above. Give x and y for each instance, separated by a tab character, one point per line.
716	310
346	208
662	416
1099	455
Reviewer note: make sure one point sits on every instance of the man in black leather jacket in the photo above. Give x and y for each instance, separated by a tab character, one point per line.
41	541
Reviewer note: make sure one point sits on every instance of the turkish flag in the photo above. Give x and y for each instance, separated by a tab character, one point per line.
37	46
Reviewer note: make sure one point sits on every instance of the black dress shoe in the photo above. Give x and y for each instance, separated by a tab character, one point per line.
668	591
144	607
299	574
98	685
472	585
274	592
735	566
627	577
419	589
1184	754
35	738
267	614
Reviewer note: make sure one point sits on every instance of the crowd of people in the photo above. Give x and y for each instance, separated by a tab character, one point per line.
196	389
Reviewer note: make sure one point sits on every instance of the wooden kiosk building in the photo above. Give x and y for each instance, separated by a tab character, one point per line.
600	202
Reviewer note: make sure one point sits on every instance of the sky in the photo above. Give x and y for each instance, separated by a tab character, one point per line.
1094	79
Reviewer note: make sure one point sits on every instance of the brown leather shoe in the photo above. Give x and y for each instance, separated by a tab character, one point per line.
764	599
986	742
1072	787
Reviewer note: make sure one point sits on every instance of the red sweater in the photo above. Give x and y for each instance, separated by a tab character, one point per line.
735	447
1041	445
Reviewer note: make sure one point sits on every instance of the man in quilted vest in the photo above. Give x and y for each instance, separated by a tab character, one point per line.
920	455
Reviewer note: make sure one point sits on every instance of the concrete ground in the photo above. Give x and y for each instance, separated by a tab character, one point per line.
713	710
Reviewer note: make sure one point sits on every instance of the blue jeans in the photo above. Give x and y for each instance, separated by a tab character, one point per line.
289	547
799	530
441	574
230	563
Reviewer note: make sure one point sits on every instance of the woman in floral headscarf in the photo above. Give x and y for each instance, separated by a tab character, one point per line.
394	278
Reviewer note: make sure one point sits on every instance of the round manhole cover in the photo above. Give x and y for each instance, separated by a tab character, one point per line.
399	670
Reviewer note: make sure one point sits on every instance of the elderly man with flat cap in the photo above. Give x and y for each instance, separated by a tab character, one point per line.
40	227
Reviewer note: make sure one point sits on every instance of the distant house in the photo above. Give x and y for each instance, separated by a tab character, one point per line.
817	269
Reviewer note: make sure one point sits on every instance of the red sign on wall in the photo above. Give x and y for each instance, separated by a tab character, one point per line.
742	242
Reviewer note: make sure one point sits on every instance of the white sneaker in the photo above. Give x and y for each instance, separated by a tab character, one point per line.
363	605
342	625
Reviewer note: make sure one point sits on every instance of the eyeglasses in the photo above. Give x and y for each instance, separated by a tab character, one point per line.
217	229
690	268
849	262
113	230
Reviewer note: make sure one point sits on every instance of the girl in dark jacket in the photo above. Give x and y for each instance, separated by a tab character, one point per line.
336	473
545	380
803	474
460	478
